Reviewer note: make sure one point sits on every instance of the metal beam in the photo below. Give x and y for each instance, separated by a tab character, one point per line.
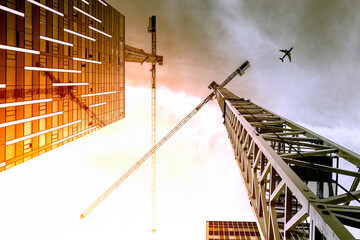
322	167
133	54
309	153
342	198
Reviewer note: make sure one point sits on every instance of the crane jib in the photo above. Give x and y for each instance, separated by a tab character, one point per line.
240	71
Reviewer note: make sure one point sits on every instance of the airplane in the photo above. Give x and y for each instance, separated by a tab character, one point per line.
287	53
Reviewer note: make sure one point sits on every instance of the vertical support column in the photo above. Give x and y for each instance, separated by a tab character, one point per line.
19	78
152	30
35	74
271	205
273	232
288	211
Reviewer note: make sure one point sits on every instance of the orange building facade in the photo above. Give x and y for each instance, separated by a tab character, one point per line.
232	230
62	73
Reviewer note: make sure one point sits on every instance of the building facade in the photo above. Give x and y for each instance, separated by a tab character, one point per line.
61	73
232	230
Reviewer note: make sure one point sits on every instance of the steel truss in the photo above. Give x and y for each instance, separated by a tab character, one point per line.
300	184
133	54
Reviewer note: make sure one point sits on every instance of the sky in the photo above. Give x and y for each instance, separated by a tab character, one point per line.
198	179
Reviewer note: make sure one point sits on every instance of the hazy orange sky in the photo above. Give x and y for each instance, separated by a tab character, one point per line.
198	180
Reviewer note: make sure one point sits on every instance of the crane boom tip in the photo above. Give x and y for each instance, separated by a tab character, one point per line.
82	216
244	66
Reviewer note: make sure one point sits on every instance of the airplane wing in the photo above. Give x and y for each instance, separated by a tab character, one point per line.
284	51
289	55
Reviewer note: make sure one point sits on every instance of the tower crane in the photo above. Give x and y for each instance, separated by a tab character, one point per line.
152	30
240	71
133	54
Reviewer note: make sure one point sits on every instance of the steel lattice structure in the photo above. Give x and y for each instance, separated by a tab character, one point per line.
133	54
152	30
299	183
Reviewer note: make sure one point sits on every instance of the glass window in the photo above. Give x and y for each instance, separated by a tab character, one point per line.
41	140
10	152
10	133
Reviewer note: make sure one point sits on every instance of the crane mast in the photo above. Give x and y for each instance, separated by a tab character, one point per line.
152	30
133	54
292	176
239	71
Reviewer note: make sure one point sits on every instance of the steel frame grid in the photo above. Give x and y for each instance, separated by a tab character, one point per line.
285	207
46	57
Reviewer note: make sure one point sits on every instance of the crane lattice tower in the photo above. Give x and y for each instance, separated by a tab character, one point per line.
292	176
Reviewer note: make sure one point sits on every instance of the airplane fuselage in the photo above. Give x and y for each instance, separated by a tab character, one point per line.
287	52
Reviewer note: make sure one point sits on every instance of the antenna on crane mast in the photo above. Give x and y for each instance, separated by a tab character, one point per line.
240	71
